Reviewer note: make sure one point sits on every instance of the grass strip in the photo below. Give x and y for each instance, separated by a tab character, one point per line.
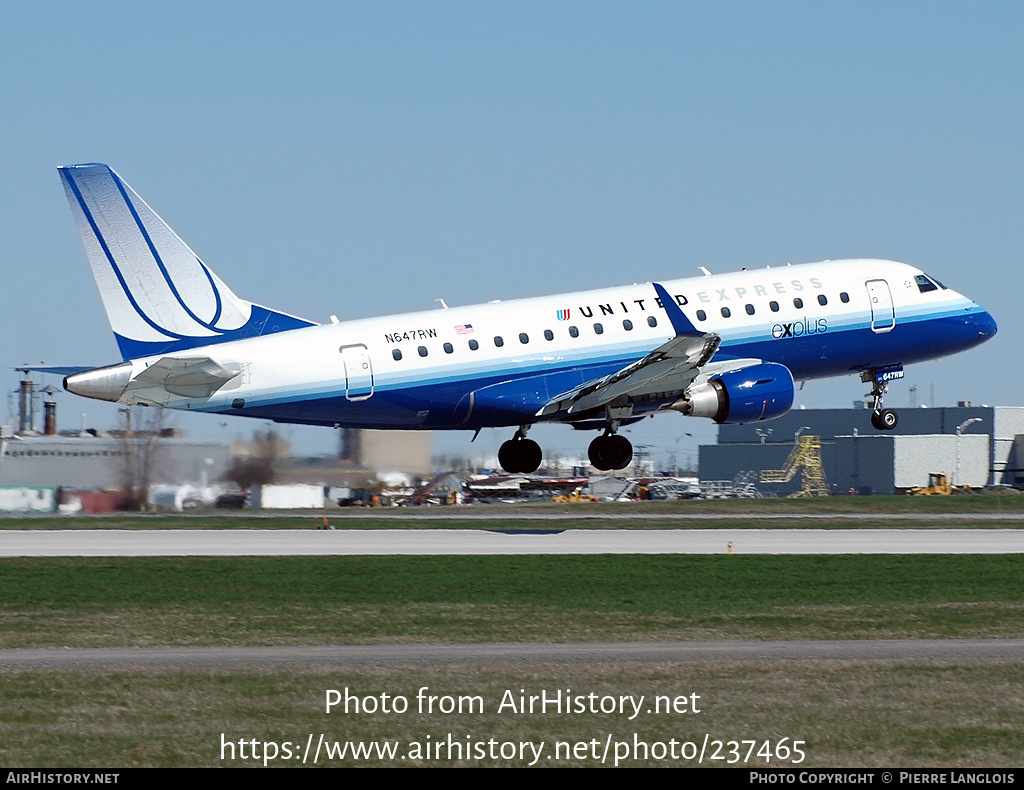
850	714
349	600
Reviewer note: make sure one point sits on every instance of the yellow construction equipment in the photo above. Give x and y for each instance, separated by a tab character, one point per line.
938	485
806	459
576	497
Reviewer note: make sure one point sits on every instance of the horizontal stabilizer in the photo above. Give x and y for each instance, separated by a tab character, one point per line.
56	370
184	377
189	378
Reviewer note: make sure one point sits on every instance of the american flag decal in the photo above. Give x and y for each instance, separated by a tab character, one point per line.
464	329
563	315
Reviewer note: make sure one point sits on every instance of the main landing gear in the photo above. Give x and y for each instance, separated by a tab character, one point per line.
881	419
610	451
520	455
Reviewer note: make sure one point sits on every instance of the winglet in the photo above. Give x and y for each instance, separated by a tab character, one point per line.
679	321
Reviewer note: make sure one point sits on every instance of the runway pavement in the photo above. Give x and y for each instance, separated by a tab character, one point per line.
188	657
268	542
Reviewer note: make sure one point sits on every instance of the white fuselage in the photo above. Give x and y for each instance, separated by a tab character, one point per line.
419	369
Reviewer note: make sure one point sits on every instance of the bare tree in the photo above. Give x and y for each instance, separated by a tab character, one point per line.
140	451
258	465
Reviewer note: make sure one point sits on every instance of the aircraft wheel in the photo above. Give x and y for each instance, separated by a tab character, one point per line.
530	456
888	419
610	452
875	422
597	451
619	452
507	456
520	456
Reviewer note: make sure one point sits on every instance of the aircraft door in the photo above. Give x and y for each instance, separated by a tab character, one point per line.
358	372
883	315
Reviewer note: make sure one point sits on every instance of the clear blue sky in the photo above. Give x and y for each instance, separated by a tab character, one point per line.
367	158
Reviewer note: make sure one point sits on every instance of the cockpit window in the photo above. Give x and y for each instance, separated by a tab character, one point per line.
924	285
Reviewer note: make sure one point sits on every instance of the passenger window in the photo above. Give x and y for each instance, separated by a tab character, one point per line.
726	312
448	349
473	345
702	316
774	306
524	338
822	299
627	325
798	303
422	351
750	309
652	321
397	354
844	297
574	332
598	329
549	335
499	341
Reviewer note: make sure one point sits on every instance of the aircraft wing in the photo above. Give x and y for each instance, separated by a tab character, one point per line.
671	366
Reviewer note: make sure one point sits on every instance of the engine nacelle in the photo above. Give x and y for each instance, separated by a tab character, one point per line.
759	392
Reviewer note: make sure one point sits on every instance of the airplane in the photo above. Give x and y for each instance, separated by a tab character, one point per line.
728	347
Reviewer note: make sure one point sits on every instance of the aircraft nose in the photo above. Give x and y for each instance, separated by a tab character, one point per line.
986	325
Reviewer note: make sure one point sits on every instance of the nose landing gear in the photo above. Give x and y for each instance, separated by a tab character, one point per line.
881	419
884	420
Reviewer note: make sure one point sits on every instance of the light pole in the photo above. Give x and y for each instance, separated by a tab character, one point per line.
673	461
959	432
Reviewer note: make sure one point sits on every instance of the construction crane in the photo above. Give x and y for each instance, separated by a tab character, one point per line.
805	457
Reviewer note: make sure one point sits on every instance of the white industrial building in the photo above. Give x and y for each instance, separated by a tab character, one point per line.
94	462
886	463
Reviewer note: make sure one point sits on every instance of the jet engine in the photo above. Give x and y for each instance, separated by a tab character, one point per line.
758	392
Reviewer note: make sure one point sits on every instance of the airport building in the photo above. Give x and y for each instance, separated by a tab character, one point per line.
92	460
95	462
971	445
